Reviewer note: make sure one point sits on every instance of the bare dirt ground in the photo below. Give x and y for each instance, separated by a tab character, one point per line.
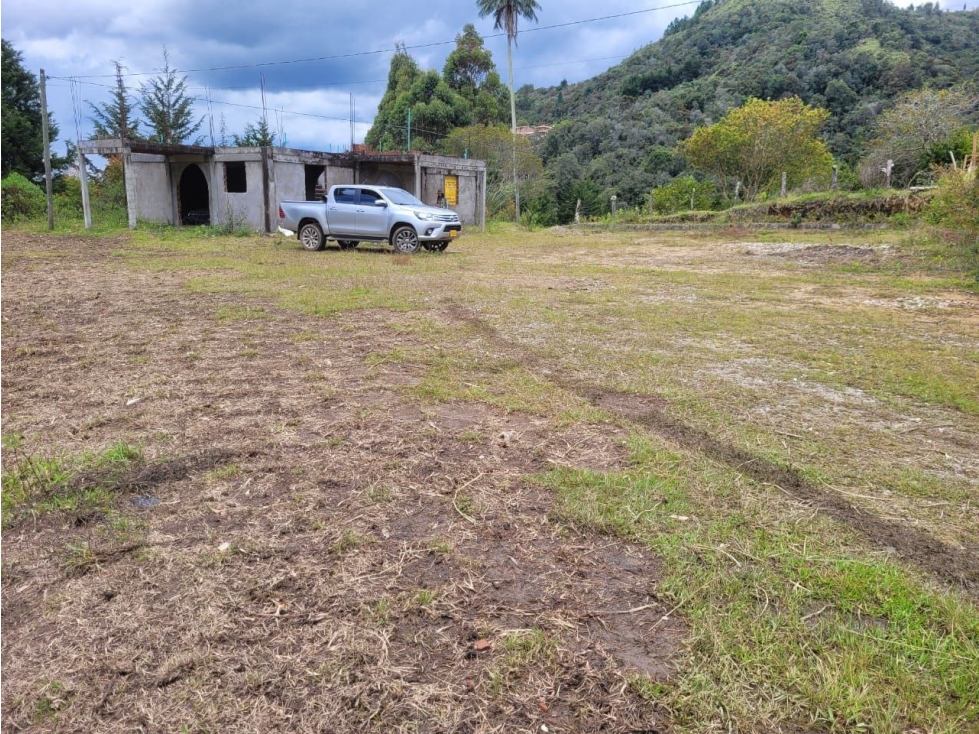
317	551
307	545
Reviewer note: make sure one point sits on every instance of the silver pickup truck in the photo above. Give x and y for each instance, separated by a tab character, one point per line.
351	214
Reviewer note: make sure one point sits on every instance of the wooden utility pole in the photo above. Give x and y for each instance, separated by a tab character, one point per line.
45	137
785	189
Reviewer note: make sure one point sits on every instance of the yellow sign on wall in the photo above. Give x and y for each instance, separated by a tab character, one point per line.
452	190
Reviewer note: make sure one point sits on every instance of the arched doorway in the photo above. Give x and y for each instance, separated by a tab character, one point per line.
385	178
195	204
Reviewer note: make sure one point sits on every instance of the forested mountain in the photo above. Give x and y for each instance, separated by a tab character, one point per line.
854	57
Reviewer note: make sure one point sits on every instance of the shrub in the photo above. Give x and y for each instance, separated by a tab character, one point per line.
20	199
676	196
68	201
955	207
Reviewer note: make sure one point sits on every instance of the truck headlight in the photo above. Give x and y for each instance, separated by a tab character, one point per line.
425	216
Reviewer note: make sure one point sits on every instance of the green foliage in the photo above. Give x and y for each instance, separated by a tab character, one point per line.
108	191
757	142
918	131
957	144
495	145
852	57
507	13
21	139
35	485
470	71
68	200
469	63
955	206
435	107
21	199
257	135
169	110
115	118
683	193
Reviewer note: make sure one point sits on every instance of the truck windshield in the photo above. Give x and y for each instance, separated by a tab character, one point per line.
402	197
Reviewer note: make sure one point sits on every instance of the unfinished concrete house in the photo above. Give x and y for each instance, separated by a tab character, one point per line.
192	184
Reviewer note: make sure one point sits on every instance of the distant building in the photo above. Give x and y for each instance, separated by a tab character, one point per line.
527	130
193	184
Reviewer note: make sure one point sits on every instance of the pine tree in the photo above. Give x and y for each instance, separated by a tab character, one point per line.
168	108
256	135
116	118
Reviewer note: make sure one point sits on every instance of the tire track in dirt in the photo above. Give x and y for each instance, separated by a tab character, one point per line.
917	547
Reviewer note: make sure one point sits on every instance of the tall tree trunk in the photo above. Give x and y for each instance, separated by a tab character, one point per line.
513	124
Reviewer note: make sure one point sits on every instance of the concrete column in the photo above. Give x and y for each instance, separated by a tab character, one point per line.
127	172
266	189
418	178
482	196
171	190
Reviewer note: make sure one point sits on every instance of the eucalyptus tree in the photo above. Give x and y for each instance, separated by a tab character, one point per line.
505	14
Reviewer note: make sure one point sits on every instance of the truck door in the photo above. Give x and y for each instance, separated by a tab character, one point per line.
342	211
372	220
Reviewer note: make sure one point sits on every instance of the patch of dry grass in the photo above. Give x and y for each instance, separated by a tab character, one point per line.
518	485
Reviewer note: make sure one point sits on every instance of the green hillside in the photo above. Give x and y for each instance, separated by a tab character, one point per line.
853	57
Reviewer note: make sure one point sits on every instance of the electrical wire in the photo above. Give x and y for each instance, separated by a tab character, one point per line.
356	54
76	80
231	104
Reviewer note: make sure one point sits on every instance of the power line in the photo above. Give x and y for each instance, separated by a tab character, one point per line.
356	54
234	104
74	80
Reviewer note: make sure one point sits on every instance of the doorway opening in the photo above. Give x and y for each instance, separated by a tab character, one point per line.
315	190
195	203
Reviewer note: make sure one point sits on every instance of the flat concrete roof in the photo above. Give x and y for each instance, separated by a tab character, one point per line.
117	146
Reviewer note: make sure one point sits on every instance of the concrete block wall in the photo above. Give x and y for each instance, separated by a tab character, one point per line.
247	207
433	181
154	200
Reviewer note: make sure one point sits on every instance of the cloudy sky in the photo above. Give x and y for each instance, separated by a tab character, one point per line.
313	56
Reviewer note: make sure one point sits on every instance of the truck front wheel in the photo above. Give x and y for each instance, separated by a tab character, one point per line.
311	237
405	240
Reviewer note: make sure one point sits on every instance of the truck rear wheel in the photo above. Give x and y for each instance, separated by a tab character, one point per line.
311	237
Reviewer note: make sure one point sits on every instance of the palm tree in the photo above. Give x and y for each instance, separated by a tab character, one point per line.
505	14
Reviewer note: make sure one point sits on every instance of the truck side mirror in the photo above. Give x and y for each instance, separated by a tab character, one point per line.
380	202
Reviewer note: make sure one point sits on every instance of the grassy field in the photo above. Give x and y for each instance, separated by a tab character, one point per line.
546	481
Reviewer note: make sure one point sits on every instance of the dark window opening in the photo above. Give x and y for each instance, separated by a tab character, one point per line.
235	180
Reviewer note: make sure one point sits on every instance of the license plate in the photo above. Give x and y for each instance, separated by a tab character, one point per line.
453	233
